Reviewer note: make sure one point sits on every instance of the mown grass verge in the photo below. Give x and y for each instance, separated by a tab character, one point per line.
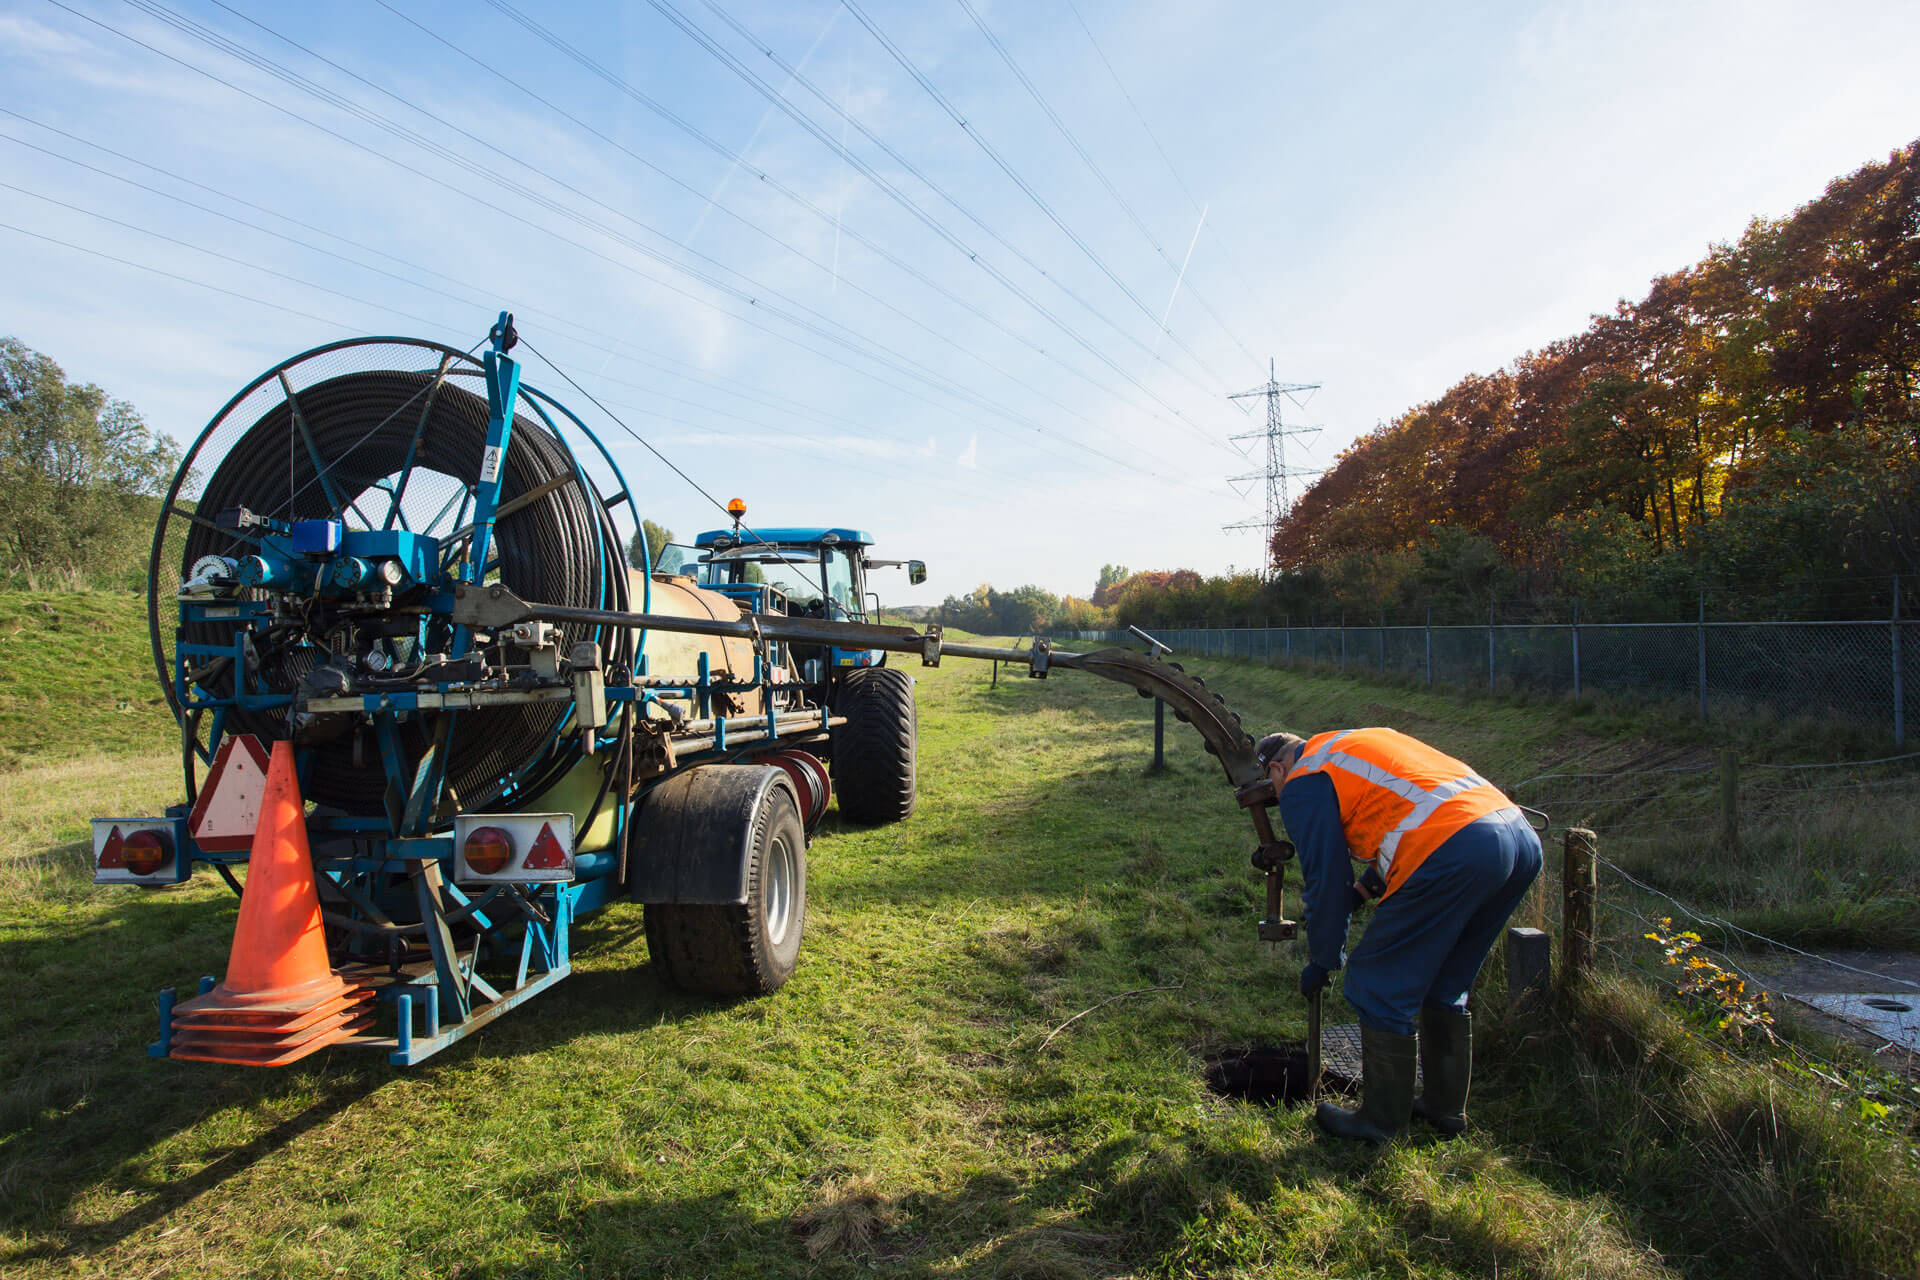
891	1111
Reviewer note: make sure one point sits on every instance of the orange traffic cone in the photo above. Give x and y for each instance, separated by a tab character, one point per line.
281	999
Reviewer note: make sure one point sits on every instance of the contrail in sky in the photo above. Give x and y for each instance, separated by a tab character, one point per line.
1181	276
726	177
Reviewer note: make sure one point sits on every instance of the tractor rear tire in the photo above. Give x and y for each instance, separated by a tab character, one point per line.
875	774
748	949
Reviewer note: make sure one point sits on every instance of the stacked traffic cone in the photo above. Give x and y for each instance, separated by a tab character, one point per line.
281	1000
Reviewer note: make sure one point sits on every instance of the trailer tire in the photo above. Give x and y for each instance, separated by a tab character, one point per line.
746	949
875	773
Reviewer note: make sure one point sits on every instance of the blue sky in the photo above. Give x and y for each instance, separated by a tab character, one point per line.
1394	196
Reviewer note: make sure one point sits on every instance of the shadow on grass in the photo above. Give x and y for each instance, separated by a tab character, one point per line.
1106	1212
87	1114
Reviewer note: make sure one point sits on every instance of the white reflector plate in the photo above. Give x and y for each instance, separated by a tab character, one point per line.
228	808
542	847
108	836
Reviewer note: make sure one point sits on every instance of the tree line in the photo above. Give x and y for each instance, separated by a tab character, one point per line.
1749	428
81	475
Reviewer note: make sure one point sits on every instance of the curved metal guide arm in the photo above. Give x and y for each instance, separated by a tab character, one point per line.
493	606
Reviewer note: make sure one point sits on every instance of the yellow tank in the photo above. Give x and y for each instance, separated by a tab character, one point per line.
675	655
670	655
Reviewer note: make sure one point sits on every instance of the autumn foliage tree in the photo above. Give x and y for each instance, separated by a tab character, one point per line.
1752	417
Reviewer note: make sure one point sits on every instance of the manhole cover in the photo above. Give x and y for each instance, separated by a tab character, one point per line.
1895	1018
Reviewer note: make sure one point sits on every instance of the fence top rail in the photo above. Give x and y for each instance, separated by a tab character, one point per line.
1538	626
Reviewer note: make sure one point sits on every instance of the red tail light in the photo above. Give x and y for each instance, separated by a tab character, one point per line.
488	850
145	852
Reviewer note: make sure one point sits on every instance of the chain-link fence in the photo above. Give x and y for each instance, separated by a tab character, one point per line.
1865	672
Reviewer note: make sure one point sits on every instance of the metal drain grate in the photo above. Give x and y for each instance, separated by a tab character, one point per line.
1340	1051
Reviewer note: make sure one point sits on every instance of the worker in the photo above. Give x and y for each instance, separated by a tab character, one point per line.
1445	858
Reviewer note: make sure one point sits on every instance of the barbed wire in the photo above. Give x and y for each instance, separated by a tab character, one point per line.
1728	925
1835	764
1620	773
1836	1074
1615	905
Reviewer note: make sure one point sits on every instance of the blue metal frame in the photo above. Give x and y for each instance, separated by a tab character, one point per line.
401	869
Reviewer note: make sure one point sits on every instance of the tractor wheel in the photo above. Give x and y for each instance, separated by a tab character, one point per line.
874	771
748	949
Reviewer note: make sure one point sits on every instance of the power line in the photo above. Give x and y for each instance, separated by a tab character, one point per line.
1239	273
801	201
625	351
620	212
820	325
306	315
1005	167
353	298
919	213
847	119
1093	167
198	284
372	117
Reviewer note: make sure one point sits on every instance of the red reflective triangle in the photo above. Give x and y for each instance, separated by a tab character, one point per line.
112	855
547	854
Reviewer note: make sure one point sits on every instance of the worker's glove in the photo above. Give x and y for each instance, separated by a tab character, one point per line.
1313	980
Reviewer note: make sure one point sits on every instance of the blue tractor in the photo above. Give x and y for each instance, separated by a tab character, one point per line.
820	572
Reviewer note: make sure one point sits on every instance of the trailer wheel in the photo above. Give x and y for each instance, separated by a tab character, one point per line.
874	770
746	949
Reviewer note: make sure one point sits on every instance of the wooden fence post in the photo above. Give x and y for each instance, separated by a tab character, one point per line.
1580	882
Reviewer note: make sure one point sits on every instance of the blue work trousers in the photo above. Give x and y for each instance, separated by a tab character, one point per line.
1428	938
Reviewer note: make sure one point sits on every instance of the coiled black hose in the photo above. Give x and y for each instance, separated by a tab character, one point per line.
560	549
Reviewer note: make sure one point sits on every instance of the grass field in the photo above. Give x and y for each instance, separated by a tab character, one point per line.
892	1111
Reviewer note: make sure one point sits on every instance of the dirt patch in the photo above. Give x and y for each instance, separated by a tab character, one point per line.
1269	1074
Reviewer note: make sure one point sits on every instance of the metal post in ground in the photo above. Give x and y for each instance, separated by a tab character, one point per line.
1429	646
1154	649
1730	801
1489	647
1576	648
1529	971
1343	640
1899	681
1700	629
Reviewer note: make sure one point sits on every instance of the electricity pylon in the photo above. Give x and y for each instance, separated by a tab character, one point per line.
1278	475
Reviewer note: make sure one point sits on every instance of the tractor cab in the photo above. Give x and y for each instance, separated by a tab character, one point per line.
812	572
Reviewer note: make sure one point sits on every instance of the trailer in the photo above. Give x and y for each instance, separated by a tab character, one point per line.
430	711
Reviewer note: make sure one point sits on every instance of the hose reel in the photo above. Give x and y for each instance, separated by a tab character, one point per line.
387	440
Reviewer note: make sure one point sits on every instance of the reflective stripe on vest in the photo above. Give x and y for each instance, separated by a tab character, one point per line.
1325	753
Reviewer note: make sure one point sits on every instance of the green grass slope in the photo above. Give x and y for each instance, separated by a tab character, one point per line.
76	678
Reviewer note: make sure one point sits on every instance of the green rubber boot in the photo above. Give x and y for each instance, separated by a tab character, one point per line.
1386	1090
1446	1062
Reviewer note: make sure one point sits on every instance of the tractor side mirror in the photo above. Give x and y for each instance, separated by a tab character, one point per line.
916	571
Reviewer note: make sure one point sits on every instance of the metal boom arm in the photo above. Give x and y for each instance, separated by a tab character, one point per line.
493	606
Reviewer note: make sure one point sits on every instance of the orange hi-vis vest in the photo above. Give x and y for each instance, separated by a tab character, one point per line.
1399	798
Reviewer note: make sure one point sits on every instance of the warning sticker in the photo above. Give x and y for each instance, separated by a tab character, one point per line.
490	465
